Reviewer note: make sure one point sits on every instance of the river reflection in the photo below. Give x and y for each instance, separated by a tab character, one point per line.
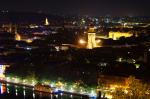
10	91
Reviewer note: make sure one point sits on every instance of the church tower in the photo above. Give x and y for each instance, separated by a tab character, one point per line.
46	22
91	38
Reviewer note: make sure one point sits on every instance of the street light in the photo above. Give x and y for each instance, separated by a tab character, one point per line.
82	41
98	41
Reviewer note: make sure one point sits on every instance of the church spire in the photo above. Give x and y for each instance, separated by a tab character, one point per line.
46	21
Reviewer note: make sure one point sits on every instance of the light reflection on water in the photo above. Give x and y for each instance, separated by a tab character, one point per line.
11	91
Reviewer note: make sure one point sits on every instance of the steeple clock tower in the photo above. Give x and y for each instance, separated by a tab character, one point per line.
91	38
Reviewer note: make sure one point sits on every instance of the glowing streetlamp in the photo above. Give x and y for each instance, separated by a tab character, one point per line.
82	41
93	94
98	41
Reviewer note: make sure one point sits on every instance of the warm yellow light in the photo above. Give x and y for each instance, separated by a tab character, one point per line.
17	37
2	70
109	96
81	41
46	21
91	30
117	35
98	41
29	41
59	84
91	40
2	76
126	91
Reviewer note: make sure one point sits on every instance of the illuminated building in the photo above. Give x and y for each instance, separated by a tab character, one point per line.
2	70
117	35
46	22
2	88
29	40
10	28
17	37
91	38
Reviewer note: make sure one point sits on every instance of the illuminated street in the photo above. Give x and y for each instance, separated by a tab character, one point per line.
59	87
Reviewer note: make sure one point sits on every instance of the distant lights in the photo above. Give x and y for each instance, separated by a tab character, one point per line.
82	41
33	95
52	84
71	96
24	92
33	26
28	48
29	41
59	87
17	37
61	94
71	89
108	96
16	92
93	94
134	61
46	21
2	70
98	41
8	90
137	66
120	59
56	90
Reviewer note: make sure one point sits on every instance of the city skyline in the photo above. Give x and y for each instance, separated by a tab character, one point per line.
84	7
73	49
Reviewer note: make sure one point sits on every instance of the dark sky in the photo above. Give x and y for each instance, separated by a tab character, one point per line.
88	7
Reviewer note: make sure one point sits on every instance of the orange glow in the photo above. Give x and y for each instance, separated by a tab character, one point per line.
29	41
81	41
3	88
109	96
17	37
98	41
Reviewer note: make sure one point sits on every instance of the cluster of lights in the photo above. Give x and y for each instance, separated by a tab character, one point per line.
2	71
59	87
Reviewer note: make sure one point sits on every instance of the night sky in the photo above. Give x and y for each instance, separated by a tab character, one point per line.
81	7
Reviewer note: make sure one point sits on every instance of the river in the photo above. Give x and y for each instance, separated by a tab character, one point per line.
11	91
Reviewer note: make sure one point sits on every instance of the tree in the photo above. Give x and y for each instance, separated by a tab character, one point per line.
135	90
31	78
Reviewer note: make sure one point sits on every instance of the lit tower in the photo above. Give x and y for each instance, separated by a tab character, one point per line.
46	21
91	38
17	35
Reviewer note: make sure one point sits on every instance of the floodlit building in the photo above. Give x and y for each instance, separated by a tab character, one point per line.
91	35
2	71
117	35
